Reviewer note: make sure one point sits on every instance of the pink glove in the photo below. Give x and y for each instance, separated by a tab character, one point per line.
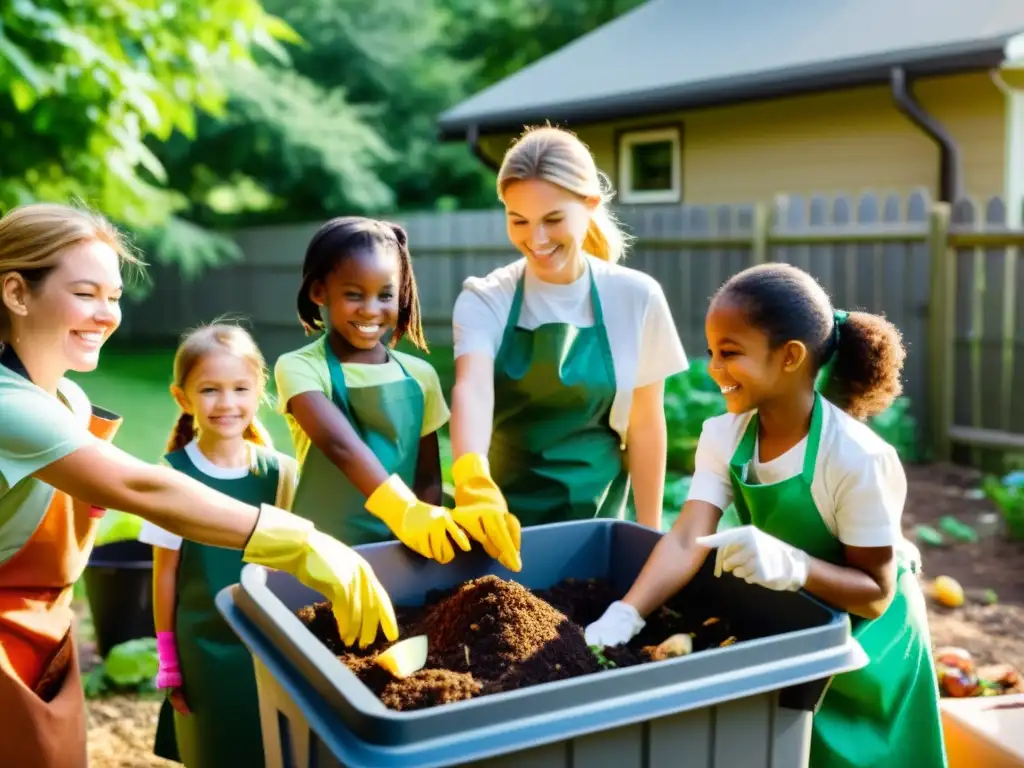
169	676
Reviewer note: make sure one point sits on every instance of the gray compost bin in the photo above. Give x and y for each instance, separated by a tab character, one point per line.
747	705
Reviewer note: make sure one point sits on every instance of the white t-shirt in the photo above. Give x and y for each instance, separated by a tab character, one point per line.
644	342
859	485
156	536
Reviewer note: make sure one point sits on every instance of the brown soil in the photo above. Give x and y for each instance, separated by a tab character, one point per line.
551	646
490	635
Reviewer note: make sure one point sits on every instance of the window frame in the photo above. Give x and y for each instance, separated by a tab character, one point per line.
626	141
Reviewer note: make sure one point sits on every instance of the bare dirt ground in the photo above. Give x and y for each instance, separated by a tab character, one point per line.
991	633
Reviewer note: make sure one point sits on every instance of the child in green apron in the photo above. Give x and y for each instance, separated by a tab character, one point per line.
211	716
363	416
812	499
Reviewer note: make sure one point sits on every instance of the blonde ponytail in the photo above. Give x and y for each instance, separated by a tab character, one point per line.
604	238
218	337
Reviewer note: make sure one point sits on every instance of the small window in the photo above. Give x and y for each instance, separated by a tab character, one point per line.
650	166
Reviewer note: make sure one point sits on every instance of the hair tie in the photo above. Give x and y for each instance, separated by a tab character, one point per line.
839	317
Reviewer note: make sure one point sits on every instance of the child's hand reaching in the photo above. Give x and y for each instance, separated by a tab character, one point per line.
619	624
422	527
758	558
169	674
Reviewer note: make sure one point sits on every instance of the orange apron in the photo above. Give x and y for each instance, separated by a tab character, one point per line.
41	697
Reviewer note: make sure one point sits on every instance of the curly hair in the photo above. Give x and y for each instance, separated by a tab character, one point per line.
790	305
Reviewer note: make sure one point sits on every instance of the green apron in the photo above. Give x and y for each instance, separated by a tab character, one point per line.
389	419
553	453
885	715
216	668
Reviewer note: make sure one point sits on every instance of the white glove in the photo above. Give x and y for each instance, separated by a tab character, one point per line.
758	558
619	624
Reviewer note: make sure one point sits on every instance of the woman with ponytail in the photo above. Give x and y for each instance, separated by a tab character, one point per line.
560	357
795	491
219	380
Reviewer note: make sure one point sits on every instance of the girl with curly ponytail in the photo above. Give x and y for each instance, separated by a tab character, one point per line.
794	491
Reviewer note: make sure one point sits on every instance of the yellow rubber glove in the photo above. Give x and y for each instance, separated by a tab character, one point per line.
422	527
290	543
482	511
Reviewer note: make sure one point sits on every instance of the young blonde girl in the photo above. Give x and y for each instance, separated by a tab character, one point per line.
211	717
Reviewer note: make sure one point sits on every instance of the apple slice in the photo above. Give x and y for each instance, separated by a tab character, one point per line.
405	657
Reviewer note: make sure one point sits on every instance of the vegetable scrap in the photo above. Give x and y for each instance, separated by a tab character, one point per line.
406	657
490	635
947	591
960	678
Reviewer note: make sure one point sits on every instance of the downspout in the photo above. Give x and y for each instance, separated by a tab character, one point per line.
950	174
1009	78
473	139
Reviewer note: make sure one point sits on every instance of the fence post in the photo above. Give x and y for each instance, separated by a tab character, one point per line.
941	330
759	236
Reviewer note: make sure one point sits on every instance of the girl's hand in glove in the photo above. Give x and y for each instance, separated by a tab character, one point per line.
619	624
758	558
422	527
169	673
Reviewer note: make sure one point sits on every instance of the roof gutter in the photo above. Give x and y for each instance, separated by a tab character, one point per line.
950	174
473	139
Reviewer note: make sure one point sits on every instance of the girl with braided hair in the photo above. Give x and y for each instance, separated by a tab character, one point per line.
363	416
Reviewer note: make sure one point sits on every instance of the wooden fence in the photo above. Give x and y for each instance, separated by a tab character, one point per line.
946	276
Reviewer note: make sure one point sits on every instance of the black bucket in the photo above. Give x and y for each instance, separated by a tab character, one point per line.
119	586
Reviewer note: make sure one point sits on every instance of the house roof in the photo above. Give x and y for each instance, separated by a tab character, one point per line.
681	54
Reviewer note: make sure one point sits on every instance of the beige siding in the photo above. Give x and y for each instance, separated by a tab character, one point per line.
973	110
838	142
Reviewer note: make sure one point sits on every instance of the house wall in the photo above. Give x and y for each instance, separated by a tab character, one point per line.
836	142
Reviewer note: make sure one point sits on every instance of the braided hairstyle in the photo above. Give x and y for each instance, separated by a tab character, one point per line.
343	236
865	350
217	337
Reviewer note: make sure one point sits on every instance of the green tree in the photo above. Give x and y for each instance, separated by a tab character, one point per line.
85	83
346	127
394	56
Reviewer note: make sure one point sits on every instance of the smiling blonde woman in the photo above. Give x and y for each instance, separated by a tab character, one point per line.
560	358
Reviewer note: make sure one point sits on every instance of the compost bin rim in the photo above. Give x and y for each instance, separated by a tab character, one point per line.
254	577
496	739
